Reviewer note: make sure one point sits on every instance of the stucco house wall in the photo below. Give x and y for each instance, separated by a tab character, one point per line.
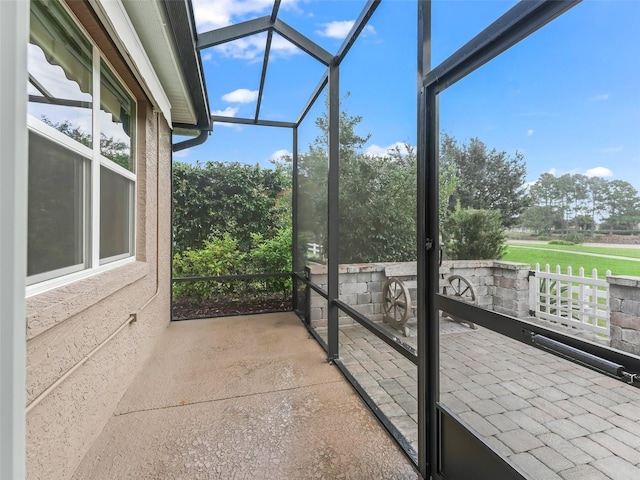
70	397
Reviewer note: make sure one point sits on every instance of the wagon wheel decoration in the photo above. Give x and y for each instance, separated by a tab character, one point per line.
396	301
458	286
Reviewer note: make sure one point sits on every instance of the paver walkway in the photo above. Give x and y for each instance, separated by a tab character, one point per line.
548	416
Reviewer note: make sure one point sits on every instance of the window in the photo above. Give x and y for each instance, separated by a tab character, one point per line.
82	174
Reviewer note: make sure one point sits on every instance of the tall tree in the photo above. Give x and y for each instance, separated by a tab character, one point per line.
622	205
542	216
488	179
377	196
596	194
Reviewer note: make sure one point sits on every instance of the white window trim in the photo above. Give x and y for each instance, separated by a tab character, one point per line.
38	288
45	281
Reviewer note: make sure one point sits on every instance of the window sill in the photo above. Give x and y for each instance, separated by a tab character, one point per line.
48	309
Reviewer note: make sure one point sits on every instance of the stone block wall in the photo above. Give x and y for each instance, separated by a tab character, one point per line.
360	287
624	307
511	288
478	272
499	286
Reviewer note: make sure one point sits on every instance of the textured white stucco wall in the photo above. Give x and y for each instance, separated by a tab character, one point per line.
65	324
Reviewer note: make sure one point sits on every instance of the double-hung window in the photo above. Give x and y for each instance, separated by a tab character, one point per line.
82	177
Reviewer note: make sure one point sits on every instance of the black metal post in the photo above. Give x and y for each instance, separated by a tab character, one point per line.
432	249
425	419
307	297
333	212
294	217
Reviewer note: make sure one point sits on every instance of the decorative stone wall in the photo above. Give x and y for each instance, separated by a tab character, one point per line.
360	287
478	272
500	286
624	305
511	288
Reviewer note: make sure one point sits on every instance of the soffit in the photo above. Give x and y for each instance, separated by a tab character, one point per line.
149	21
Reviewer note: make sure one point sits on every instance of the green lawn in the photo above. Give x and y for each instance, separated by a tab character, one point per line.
565	259
621	252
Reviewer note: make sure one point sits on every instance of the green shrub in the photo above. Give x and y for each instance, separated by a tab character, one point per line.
223	256
561	242
471	234
220	256
574	238
271	256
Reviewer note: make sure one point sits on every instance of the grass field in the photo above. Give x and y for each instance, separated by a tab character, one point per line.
621	252
560	256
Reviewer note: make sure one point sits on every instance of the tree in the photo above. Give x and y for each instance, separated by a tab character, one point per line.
488	179
216	198
377	196
474	235
622	204
115	150
542	216
596	188
540	219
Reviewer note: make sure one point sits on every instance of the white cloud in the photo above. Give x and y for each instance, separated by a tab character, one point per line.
340	29
241	95
278	154
227	112
378	151
252	48
599	98
210	15
611	150
599	172
221	13
558	173
207	56
283	46
529	132
181	153
249	48
591	172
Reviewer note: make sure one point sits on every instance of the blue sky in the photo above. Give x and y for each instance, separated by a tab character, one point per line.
568	96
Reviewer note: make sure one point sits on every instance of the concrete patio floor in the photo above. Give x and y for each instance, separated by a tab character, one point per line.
242	397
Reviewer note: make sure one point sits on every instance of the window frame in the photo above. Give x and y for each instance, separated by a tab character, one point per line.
94	161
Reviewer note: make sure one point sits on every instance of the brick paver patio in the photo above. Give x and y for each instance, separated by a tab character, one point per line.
550	417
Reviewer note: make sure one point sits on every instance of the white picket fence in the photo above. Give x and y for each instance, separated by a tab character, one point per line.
576	301
314	248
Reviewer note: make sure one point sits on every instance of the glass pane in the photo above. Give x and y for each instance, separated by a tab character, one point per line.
378	172
60	72
117	120
232	216
536	150
312	214
551	418
116	193
210	298
56	222
386	376
543	169
453	24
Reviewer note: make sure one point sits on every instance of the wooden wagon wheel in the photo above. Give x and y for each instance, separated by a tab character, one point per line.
396	302
458	286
